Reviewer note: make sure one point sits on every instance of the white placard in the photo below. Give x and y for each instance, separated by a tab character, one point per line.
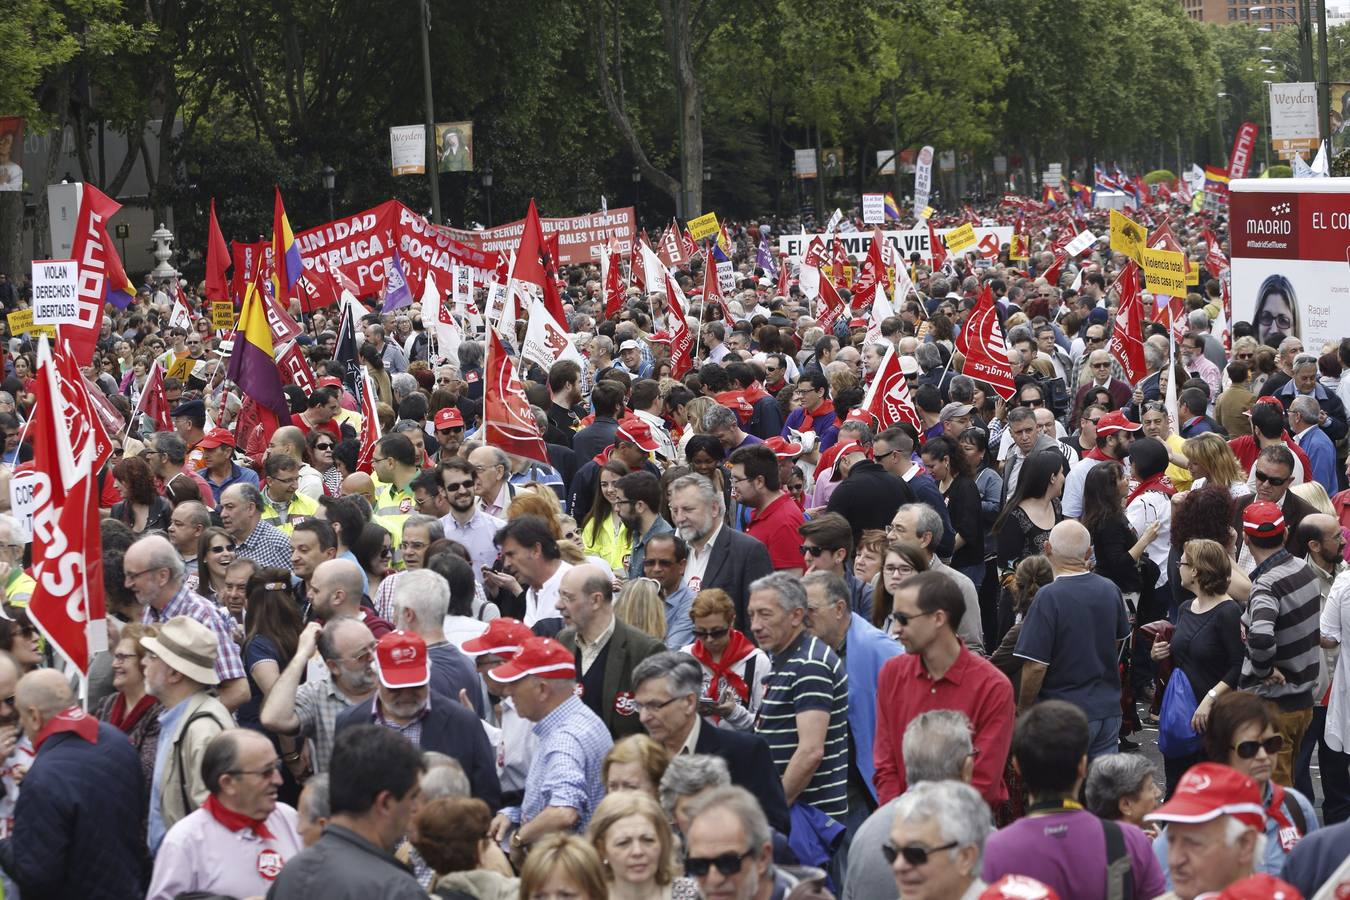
874	209
408	149
1293	111
804	163
56	288
1081	242
923	180
22	502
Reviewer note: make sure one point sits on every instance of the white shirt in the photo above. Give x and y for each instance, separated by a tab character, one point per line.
543	603
1072	501
1335	624
1144	510
665	447
698	562
200	854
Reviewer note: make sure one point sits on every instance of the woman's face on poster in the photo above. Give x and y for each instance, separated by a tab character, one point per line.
1276	316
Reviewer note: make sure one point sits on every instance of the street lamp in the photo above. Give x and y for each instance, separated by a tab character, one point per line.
329	180
487	188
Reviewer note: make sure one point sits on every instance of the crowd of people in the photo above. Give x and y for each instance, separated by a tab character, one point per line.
736	638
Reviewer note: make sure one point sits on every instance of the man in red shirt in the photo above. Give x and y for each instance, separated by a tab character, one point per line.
937	671
324	405
755	482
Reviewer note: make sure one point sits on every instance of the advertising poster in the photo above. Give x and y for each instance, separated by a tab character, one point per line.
454	147
407	150
1290	251
804	163
11	153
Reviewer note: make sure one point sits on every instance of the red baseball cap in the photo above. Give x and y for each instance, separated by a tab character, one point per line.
217	437
328	381
1209	790
1262	518
1018	887
449	417
1115	421
504	637
636	431
1260	887
1268	401
858	322
401	660
783	449
539	656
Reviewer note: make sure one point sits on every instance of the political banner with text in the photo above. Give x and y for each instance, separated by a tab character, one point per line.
580	238
989	240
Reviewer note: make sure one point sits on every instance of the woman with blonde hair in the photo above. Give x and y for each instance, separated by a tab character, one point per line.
694	411
1212	462
733	667
635	763
637	849
1316	495
543	504
641	606
563	865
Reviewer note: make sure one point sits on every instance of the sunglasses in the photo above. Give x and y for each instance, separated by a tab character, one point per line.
914	854
713	633
903	620
1272	480
323	446
459	430
1033	403
223	548
807	550
1248	749
728	863
456	486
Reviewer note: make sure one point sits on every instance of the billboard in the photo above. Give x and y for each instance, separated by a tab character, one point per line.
454	147
1293	117
1290	251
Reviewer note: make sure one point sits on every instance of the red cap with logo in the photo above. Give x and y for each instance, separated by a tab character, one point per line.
504	637
1265	401
636	431
1210	790
1260	887
449	417
401	660
1115	421
538	656
1262	518
217	437
328	381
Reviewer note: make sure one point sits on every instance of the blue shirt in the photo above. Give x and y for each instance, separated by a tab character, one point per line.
168	722
1322	456
237	475
565	771
679	627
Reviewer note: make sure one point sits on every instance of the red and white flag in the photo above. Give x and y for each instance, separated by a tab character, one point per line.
536	293
611	280
67	604
888	396
838	263
153	401
830	308
873	271
508	423
179	317
881	311
1215	259
1127	340
986	353
681	338
370	421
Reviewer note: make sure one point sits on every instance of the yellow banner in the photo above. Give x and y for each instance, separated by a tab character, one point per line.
927	213
1165	272
222	314
1018	248
180	368
1128	236
959	239
21	322
704	226
1192	274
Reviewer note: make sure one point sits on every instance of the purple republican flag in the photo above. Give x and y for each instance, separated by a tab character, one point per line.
764	259
396	292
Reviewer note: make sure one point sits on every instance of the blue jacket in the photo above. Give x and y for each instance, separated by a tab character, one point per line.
74	832
1322	454
866	649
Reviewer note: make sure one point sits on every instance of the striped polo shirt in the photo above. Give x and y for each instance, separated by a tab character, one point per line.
809	675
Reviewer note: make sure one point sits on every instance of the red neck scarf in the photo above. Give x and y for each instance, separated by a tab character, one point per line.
72	718
738	648
1276	808
235	821
1100	455
125	719
1160	483
755	392
809	416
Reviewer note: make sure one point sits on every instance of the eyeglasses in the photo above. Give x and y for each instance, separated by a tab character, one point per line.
123	657
456	486
903	619
459	430
386	551
1095	340
735	479
898	570
223	548
808	550
323	446
266	772
1249	749
880	456
375	459
914	854
653	707
132	576
711	633
1267	319
1272	480
728	863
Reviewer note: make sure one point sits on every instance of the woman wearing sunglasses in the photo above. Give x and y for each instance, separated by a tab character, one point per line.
1242	734
733	667
215	552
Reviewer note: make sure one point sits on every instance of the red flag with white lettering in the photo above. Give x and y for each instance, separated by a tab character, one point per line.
681	339
1215	259
981	340
831	306
613	286
508	423
888	396
370	419
153	401
872	271
1127	341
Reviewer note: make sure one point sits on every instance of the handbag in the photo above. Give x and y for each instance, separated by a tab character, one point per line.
1176	737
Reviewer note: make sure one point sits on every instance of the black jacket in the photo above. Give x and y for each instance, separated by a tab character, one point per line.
751	765
869	497
451	729
626	648
562	425
737	560
342	865
595	437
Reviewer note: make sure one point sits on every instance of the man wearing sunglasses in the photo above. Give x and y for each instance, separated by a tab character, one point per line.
1272	478
827	546
1282	664
730	848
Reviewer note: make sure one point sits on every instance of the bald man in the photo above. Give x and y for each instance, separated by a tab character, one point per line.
1071	638
76	797
335	592
362	484
608	649
290	441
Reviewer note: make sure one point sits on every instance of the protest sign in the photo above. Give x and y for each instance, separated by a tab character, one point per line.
56	285
21	322
958	239
1128	236
1165	272
580	238
222	314
988	242
704	226
22	502
874	209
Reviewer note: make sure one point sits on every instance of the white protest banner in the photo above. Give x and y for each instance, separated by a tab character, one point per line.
1081	242
22	502
988	242
56	285
804	163
923	180
408	150
874	209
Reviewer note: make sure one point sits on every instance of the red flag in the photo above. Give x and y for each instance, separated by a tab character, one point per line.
217	260
838	263
613	285
508	423
1127	341
531	272
688	245
783	277
370	419
681	340
153	402
831	306
985	351
888	396
67	604
1052	274
936	247
100	270
873	270
1215	260
712	287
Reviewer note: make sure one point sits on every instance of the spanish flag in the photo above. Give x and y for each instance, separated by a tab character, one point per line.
253	363
1048	196
287	266
892	212
117	289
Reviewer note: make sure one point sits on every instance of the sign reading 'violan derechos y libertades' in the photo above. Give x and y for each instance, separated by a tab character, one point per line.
56	286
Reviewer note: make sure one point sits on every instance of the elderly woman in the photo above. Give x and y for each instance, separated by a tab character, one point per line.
687	778
451	836
635	763
937	841
129	708
637	849
733	667
563	865
1121	787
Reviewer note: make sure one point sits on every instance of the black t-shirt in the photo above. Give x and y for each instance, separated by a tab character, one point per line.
1208	646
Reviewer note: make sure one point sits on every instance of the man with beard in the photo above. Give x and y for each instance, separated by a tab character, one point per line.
449	423
311	710
639	506
466	521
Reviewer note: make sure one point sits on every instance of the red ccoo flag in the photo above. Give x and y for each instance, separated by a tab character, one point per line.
831	306
613	285
1215	260
508	423
873	271
154	403
1127	342
681	339
981	340
218	260
888	396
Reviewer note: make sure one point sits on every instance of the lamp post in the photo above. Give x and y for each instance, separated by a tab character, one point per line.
424	11
637	193
329	180
487	190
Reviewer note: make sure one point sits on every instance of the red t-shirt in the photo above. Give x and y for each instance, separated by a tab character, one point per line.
331	426
776	528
